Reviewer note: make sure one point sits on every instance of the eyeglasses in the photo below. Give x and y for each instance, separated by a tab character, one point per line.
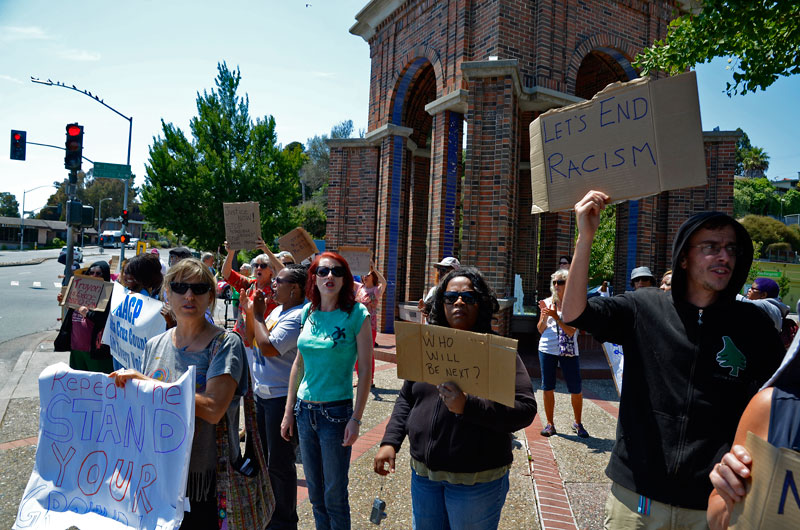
559	282
563	262
279	280
468	297
713	249
260	265
337	271
94	272
182	287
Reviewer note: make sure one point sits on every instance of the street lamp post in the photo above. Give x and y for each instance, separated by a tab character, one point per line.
130	133
22	219
100	221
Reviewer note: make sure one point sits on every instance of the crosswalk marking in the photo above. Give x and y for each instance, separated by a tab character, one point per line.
37	284
57	285
14	283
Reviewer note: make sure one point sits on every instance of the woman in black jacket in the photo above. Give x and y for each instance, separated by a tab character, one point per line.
460	444
81	330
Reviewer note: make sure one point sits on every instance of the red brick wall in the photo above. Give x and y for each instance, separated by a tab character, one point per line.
352	197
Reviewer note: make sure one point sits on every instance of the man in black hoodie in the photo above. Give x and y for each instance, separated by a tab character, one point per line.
694	357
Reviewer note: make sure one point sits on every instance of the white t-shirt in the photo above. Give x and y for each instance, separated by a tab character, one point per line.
548	342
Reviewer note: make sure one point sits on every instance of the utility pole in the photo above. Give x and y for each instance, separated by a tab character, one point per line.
130	133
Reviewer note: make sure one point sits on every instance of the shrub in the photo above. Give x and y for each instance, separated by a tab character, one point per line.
58	242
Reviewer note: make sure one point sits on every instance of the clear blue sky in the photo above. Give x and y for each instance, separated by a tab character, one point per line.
148	59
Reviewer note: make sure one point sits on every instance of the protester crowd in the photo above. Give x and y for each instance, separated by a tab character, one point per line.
699	368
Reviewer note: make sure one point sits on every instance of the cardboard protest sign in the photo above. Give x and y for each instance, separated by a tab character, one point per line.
481	364
242	224
630	140
616	361
109	457
87	291
114	264
772	500
277	265
299	243
359	259
134	319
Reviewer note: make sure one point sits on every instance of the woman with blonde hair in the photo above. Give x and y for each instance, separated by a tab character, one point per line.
221	378
558	347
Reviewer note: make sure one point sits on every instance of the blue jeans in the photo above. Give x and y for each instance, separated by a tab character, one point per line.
325	461
440	505
570	369
280	462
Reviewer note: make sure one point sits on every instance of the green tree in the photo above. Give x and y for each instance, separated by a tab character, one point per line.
764	231
89	191
311	214
755	196
755	162
9	207
601	262
762	40
742	145
229	159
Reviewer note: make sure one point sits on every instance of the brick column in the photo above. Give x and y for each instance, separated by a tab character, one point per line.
352	194
445	177
489	230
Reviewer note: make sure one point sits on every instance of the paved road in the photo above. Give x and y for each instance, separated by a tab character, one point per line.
29	299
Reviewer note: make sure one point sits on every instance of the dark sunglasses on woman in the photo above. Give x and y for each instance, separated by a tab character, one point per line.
468	297
95	272
182	287
337	271
260	265
559	282
278	279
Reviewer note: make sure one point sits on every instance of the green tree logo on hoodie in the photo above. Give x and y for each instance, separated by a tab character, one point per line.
730	357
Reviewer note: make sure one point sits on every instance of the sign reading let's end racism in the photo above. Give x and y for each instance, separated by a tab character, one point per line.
109	457
631	140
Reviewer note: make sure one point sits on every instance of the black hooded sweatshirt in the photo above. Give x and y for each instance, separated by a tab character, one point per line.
688	374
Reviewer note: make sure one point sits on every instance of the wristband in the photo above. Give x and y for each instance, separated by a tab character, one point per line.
358	422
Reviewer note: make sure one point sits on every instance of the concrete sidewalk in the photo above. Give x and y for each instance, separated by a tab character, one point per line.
556	482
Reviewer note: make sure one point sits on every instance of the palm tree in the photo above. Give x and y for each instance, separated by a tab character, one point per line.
755	162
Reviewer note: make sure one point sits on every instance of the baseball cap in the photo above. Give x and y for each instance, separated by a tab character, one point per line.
448	263
641	272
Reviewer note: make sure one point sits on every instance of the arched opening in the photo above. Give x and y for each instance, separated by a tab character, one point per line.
600	67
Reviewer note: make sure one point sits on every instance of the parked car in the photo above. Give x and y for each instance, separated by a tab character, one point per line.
77	255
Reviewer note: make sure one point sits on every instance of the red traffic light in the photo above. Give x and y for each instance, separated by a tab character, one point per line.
73	130
123	239
17	137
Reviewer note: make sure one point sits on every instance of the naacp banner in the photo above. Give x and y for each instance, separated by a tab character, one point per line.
133	320
109	457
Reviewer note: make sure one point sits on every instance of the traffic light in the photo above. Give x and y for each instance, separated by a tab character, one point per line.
87	216
124	217
123	239
74	147
74	213
18	145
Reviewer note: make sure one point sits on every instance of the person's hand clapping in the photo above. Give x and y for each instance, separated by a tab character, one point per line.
259	303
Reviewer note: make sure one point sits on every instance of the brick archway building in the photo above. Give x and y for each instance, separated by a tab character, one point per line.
449	70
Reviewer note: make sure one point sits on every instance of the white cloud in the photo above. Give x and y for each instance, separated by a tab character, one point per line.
323	75
78	55
14	33
9	78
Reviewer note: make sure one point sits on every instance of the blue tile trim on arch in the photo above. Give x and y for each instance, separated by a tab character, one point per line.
454	129
396	175
633	229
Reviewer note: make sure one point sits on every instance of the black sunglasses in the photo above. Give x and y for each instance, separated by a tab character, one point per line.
559	282
337	271
261	265
94	272
182	287
468	297
278	279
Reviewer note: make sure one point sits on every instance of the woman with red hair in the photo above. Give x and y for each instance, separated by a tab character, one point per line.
336	331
